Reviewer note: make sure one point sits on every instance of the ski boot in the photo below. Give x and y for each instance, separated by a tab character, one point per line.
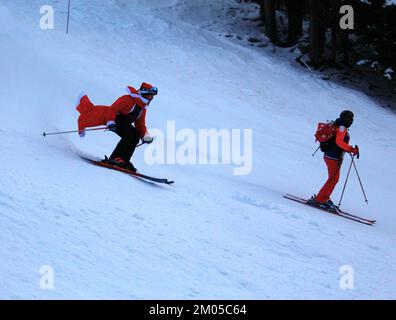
119	162
312	201
329	205
130	166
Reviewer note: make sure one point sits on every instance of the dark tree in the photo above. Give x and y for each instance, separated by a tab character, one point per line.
294	9
333	19
268	6
317	28
370	46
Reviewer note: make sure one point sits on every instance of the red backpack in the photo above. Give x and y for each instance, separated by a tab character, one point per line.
325	131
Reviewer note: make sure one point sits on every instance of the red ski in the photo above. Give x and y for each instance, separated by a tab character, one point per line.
339	212
132	173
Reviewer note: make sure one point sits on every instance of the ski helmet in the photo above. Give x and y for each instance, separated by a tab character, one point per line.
147	88
347	117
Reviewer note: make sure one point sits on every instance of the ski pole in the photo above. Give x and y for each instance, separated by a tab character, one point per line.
361	185
68	17
44	134
315	151
140	144
143	142
346	180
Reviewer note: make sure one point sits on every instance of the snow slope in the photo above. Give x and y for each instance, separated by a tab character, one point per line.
212	234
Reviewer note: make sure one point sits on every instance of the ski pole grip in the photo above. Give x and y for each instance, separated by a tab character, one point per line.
358	153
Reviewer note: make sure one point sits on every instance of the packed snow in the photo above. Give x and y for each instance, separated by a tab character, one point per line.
213	234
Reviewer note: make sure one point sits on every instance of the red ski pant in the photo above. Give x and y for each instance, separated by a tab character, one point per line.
333	168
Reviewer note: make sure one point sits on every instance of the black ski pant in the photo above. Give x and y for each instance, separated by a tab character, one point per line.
129	139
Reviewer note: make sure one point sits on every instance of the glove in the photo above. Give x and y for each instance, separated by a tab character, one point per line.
148	139
355	151
112	127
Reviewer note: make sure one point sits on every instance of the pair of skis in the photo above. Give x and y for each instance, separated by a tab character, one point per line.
337	212
100	163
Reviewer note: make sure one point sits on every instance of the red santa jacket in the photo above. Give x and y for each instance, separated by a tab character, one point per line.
92	116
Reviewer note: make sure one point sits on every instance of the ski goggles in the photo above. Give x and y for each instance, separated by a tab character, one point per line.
153	91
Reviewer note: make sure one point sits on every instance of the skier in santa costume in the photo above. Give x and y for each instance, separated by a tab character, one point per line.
119	117
333	157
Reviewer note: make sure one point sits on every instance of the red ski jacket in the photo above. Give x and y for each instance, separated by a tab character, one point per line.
92	116
338	144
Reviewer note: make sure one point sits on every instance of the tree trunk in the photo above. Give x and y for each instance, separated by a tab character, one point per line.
316	31
270	19
344	46
294	10
334	19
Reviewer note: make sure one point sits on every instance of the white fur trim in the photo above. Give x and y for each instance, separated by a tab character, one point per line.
139	114
139	96
134	95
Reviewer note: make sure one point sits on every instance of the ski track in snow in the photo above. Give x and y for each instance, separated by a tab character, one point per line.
212	234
